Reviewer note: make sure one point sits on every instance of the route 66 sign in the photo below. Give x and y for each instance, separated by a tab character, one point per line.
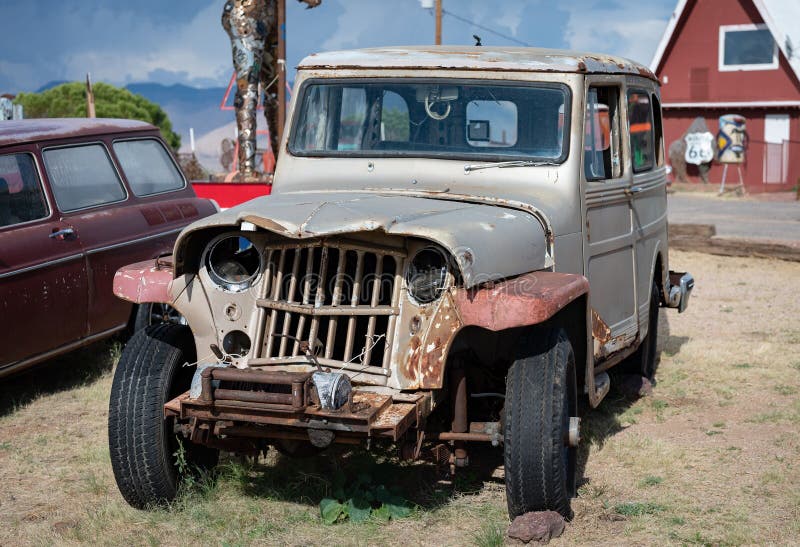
699	148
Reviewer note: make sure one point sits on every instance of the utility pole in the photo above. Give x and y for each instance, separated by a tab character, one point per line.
438	22
90	111
281	65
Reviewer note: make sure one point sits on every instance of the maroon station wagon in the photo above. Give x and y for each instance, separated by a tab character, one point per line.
79	198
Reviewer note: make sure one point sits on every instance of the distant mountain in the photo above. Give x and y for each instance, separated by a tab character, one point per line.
187	106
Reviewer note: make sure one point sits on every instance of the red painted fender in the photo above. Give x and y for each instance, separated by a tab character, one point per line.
529	299
147	281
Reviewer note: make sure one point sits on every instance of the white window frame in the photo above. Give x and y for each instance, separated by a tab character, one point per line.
730	68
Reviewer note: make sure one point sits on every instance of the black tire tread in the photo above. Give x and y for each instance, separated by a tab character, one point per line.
535	475
139	446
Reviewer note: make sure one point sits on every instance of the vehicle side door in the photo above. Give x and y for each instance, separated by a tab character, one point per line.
134	202
648	190
609	240
43	277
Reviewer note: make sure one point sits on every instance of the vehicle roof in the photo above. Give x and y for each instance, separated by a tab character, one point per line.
518	59
45	129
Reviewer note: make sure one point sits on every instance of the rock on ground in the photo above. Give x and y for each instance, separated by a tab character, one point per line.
633	386
538	526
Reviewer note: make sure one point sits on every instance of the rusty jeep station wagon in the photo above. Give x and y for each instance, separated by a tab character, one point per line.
461	242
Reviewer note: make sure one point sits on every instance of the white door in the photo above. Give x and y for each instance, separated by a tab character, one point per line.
776	157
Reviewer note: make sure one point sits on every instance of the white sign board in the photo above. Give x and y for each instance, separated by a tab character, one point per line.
699	148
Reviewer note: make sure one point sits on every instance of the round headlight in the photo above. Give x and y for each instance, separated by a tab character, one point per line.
426	277
233	262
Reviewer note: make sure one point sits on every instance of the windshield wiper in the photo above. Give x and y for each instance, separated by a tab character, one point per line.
503	164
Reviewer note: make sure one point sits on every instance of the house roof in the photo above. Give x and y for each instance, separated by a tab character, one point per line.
42	129
476	58
780	16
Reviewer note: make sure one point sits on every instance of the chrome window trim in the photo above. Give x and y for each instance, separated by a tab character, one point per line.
47	203
110	159
171	157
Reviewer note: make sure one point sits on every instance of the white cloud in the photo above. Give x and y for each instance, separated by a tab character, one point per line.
199	50
632	29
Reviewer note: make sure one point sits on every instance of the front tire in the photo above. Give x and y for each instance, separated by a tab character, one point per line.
142	442
540	399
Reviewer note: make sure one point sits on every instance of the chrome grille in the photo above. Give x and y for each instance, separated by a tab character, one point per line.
341	297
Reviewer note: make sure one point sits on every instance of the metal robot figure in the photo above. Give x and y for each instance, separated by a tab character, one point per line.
252	28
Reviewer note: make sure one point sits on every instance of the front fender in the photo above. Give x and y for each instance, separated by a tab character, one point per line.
526	300
146	281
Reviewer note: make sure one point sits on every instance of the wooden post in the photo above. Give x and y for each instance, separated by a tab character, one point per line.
438	22
281	71
90	112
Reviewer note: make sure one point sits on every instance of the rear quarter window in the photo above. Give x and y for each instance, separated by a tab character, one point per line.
148	167
82	176
21	196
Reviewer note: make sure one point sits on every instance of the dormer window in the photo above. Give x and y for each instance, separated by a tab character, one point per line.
747	47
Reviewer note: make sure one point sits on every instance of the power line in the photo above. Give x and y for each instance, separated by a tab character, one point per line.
487	29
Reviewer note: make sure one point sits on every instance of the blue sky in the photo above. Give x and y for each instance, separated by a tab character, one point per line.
182	41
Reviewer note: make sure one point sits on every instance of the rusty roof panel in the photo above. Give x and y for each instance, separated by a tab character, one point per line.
477	58
43	129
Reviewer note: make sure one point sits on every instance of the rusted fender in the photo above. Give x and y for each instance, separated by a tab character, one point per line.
146	281
528	299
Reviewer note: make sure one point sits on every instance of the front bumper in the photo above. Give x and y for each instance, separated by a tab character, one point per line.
680	289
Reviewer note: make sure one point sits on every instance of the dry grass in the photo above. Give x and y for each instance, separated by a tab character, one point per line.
712	457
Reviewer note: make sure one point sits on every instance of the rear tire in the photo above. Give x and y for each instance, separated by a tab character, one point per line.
643	360
541	396
142	442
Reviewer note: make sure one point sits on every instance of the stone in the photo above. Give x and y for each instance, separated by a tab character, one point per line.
634	386
538	526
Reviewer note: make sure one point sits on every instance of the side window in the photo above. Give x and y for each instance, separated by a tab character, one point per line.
659	131
601	148
148	167
21	195
82	176
395	125
640	124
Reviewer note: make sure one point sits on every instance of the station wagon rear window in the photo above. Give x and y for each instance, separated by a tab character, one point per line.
82	176
432	118
148	167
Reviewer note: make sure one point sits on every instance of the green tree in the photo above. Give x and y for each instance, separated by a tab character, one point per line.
69	101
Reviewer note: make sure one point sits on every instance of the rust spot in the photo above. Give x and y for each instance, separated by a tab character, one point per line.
600	331
581	66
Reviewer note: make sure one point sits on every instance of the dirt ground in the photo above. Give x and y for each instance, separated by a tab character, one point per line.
711	457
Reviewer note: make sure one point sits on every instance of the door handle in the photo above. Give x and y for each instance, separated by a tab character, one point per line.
634	190
62	233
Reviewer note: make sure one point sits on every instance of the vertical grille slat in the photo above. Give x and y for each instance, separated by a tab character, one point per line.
287	317
351	323
308	291
276	291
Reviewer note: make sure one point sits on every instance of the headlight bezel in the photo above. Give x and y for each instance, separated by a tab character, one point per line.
426	287
222	280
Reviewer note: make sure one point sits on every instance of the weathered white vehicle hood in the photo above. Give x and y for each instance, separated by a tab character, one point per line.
478	235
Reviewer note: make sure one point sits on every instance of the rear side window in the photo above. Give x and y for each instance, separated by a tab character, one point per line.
640	117
82	176
21	195
148	167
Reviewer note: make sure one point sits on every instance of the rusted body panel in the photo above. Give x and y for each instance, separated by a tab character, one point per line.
46	129
146	281
525	300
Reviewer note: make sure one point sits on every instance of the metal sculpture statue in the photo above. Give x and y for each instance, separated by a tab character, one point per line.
253	28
